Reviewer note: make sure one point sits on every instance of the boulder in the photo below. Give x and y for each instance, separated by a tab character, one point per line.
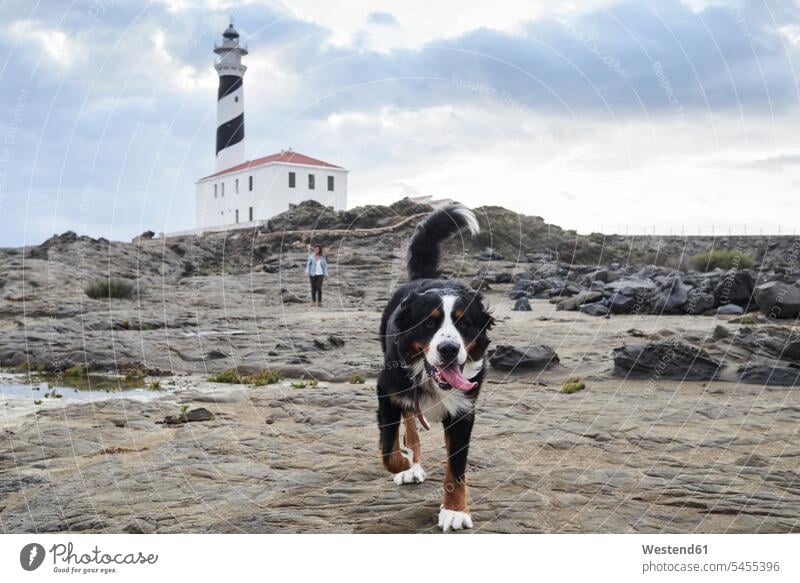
720	332
735	287
730	310
195	415
621	304
698	301
503	277
584	297
599	275
331	342
778	299
534	357
665	360
595	309
489	254
671	297
522	305
632	287
565	290
527	288
772	376
480	284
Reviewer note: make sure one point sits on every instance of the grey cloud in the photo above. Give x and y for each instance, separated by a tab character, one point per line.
114	120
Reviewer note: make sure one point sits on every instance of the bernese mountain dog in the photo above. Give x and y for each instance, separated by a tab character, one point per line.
434	337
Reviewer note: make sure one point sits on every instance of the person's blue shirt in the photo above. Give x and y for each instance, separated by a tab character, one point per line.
311	265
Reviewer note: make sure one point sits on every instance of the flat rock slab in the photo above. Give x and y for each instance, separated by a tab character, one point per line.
614	458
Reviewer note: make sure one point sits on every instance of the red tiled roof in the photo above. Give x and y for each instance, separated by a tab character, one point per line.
288	157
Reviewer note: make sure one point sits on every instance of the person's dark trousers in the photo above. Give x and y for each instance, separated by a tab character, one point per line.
316	288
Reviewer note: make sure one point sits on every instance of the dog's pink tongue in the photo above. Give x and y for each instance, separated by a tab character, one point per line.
453	377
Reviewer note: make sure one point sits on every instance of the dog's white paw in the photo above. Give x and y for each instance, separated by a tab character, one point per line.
413	475
453	519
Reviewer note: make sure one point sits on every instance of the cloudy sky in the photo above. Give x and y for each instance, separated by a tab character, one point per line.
598	115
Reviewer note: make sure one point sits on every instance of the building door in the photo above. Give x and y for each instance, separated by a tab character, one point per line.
237	216
251	214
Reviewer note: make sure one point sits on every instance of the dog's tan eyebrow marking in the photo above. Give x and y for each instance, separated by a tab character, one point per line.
436	313
458	313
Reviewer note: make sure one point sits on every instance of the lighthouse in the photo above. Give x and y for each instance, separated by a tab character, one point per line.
244	193
230	100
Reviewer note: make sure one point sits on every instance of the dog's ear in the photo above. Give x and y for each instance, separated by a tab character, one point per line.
485	319
403	317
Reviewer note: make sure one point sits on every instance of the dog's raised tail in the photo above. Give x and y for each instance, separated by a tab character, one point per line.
424	251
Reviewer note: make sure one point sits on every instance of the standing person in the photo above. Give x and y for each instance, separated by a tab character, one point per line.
317	269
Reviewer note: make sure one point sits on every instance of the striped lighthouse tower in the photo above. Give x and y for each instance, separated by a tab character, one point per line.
230	100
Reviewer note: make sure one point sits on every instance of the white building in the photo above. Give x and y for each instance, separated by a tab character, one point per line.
259	189
245	191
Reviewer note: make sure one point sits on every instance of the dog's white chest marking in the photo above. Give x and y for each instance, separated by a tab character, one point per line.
436	403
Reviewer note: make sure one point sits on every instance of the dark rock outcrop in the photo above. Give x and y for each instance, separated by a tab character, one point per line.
771	376
621	304
778	299
735	287
193	416
671	297
665	360
535	357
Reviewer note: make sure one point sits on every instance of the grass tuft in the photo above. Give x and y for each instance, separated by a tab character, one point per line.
109	289
722	258
75	372
229	376
134	375
572	385
265	377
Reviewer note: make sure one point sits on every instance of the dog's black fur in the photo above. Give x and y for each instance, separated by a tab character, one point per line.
411	320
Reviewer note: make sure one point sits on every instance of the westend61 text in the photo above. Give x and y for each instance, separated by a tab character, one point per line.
672	550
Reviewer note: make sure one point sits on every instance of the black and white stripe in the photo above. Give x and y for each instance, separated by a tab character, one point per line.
230	101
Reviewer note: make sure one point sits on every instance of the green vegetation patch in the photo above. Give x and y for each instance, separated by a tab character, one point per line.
232	376
109	289
572	385
720	258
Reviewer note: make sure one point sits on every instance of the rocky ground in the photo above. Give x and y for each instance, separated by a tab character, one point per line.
687	423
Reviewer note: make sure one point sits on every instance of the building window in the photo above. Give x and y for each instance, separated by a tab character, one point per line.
215	191
236	99
251	214
330	183
236	186
222	190
250	183
311	180
291	179
237	216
